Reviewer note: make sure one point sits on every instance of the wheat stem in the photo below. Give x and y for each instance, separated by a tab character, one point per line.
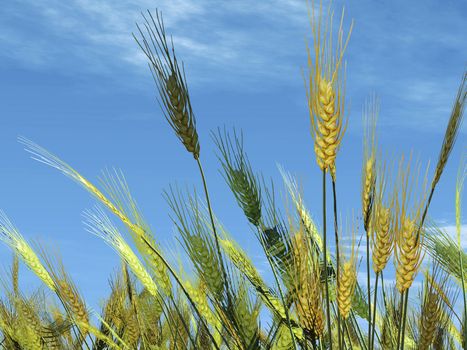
336	235
464	298
368	286
216	236
359	331
374	312
182	287
404	318
325	258
276	278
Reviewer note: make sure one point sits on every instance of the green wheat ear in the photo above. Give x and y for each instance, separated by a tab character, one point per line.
170	80
238	174
197	239
452	130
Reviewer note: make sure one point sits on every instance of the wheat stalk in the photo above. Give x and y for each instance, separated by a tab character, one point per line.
325	95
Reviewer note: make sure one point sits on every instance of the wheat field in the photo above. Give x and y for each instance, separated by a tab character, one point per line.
217	298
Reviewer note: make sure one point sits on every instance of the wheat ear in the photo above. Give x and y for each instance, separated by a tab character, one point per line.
116	186
170	80
347	277
144	242
325	88
452	129
100	225
14	274
305	273
429	318
11	236
238	174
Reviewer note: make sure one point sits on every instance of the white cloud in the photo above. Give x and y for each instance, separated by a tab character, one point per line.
98	34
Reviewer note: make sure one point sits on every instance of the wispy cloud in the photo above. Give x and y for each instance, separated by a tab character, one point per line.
98	34
410	54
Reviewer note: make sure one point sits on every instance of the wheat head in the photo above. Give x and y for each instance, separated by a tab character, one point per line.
170	81
455	121
13	238
325	89
346	282
307	285
383	238
408	254
409	250
119	191
100	225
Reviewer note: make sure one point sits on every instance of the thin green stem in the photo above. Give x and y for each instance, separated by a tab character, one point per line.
187	295
325	249
346	328
359	331
336	235
373	322
368	286
404	319
276	278
230	303
383	290
214	230
401	311
464	328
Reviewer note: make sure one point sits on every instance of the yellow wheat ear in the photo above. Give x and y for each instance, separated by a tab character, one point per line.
347	281
409	250
325	87
370	117
11	237
121	204
305	274
100	225
383	228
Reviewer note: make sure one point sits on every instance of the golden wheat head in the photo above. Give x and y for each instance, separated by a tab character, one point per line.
325	88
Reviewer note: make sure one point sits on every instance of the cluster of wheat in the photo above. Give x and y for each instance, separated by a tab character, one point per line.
315	300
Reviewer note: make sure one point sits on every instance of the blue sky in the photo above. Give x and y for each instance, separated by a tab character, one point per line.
74	81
